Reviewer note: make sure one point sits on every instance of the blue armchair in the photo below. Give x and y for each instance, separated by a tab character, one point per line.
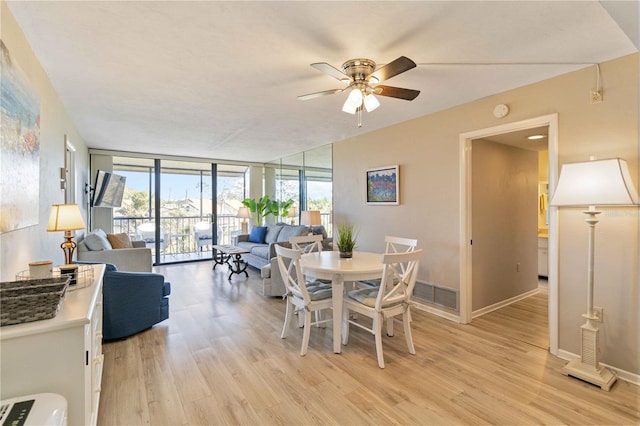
132	302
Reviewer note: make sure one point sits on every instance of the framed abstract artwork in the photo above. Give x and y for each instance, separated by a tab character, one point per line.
20	145
383	186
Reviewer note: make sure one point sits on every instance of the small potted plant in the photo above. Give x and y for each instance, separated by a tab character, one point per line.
346	240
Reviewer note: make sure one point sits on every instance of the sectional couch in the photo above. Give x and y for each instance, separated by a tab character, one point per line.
262	255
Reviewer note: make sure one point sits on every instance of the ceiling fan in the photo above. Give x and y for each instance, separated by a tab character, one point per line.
362	77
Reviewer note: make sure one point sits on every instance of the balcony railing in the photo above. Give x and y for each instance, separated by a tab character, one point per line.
178	234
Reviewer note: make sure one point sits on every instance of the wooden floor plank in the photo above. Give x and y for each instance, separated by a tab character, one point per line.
219	359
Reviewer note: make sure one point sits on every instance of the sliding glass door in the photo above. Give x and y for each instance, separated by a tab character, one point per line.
170	205
187	220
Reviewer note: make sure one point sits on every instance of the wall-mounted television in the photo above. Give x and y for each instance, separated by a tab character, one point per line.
109	189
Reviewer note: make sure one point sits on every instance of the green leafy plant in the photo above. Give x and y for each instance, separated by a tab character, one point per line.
258	208
346	237
265	206
284	207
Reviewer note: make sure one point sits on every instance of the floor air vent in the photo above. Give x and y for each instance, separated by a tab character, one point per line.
435	295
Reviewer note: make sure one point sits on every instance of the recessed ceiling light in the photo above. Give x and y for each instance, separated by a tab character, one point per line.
535	137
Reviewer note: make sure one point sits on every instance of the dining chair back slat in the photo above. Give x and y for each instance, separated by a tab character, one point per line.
307	243
399	244
392	245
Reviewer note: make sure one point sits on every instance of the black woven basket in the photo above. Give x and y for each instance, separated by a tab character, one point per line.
31	300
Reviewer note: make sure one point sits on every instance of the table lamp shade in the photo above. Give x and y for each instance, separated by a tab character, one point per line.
65	217
244	213
597	182
292	212
310	217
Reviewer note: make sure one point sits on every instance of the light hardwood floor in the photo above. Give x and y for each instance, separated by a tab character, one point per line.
526	320
219	359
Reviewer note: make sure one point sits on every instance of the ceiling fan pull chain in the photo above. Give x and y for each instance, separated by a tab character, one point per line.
359	115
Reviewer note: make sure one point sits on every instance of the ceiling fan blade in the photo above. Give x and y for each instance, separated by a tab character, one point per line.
396	92
393	68
331	70
318	94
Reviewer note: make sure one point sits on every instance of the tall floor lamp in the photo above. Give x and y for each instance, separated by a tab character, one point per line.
591	183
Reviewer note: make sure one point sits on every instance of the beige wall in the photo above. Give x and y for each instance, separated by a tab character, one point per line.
427	150
504	222
18	248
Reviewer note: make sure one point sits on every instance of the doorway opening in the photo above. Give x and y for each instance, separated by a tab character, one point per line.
466	266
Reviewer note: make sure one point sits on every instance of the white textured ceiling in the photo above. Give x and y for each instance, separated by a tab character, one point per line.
219	79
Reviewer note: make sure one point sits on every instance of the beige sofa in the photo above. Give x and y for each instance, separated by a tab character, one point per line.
95	247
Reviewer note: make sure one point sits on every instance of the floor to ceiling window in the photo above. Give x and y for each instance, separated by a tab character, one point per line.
318	177
173	210
187	215
306	178
231	190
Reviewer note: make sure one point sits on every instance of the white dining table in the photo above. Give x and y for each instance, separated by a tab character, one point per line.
328	265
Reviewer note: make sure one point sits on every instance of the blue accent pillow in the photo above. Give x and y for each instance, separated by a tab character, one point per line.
257	234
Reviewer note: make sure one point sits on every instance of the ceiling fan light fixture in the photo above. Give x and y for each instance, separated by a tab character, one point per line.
371	102
362	77
353	102
355	97
348	108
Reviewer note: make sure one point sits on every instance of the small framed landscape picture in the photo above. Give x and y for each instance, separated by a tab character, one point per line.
383	186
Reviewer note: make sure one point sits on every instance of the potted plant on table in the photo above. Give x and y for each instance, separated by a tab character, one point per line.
346	239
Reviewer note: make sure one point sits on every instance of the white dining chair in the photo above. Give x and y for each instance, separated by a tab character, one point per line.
302	296
309	244
382	304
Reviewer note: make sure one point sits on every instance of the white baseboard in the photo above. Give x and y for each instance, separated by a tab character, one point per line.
503	303
627	376
436	311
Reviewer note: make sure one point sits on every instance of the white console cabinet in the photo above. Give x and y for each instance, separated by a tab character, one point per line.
61	355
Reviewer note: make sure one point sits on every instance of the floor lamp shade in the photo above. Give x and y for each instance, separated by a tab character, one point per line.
67	218
593	183
597	182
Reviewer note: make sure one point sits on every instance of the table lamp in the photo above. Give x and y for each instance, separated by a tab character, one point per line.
591	183
244	214
310	218
67	218
292	213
